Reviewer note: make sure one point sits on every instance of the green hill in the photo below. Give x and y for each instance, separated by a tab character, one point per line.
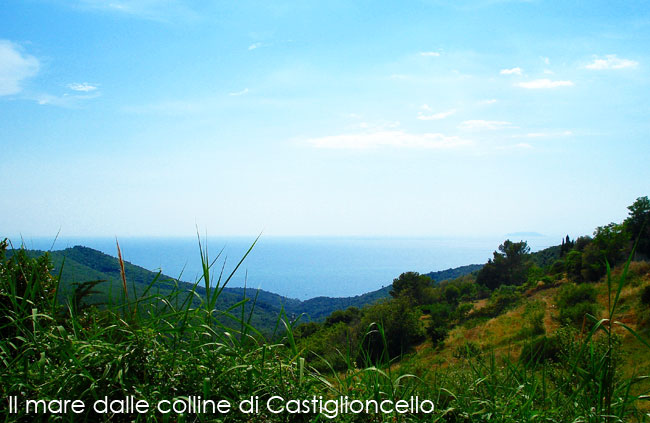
82	264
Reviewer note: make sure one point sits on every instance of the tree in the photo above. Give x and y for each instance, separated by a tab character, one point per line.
452	293
637	224
509	266
396	322
412	286
566	246
573	265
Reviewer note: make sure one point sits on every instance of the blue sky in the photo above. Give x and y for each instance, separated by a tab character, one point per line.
415	118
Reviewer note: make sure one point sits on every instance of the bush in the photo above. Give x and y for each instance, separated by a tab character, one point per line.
462	311
533	319
575	301
437	334
503	298
437	311
557	267
345	316
401	327
645	296
451	294
573	265
639	268
535	273
541	350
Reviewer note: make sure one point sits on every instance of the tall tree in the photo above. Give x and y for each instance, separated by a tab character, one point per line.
411	286
637	224
509	266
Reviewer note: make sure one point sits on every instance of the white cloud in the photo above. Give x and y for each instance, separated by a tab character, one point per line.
436	116
254	46
546	60
612	62
513	71
83	86
544	83
389	139
237	93
429	53
15	67
477	125
489	101
65	100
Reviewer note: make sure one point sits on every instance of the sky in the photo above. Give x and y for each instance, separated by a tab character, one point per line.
336	118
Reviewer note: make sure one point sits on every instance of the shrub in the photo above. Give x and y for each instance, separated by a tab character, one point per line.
439	322
533	319
535	273
575	301
451	294
557	267
573	265
639	268
502	298
462	311
541	350
645	296
400	328
437	333
345	316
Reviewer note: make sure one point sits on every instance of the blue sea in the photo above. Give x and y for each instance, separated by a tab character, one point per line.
300	267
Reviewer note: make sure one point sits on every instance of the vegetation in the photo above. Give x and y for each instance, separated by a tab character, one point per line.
529	337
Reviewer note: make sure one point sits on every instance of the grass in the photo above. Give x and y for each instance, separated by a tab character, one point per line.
176	345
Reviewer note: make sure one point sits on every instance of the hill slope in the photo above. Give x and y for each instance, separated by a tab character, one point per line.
81	264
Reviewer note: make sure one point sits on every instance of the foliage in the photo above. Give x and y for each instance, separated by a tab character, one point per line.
645	296
457	272
169	343
437	333
343	316
546	257
452	293
566	246
576	301
573	265
541	350
610	244
533	319
509	266
412	286
401	328
502	299
467	350
637	224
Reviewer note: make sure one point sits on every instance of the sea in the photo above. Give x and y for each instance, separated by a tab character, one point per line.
298	267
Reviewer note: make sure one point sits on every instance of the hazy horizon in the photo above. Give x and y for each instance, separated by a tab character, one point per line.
299	267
